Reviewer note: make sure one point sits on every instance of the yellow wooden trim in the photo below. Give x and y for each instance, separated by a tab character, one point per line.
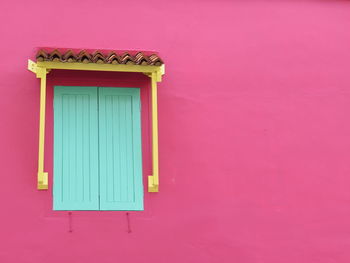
153	180
99	67
43	182
32	66
41	73
160	72
42	177
154	72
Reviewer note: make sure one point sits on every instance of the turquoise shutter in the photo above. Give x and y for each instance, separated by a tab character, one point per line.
76	176
120	149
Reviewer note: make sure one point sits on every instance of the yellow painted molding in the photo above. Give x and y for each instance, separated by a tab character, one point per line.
154	72
41	72
152	187
153	180
32	66
42	176
99	67
43	181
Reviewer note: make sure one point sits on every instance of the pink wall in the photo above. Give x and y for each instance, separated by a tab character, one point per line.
253	121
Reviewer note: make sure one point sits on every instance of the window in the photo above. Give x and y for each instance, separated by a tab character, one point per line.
97	149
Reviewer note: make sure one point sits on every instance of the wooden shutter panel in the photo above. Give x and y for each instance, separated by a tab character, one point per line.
76	178
120	149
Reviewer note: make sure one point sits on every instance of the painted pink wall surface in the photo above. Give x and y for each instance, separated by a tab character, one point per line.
254	131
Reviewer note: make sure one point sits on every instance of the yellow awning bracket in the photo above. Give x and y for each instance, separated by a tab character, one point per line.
41	73
41	68
153	180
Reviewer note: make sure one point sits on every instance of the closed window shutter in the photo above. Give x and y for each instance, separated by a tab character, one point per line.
76	178
120	149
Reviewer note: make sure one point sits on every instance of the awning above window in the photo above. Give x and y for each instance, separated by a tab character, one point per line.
148	63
